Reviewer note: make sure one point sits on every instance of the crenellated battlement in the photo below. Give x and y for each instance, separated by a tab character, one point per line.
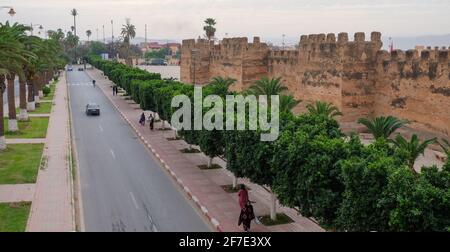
412	64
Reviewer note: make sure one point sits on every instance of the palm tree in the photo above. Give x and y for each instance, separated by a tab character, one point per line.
287	103
74	13
16	68
414	148
266	86
382	126
209	28
88	34
128	32
12	54
222	85
323	109
446	147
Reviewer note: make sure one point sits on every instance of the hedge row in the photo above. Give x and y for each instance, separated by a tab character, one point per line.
312	167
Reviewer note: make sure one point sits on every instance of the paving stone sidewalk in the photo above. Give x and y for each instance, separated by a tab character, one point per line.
16	193
52	208
202	186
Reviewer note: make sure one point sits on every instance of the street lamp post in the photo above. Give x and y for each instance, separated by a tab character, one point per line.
11	11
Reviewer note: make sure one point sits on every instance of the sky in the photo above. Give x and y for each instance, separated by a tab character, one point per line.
269	19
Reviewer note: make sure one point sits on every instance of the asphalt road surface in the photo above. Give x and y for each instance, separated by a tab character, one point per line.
122	185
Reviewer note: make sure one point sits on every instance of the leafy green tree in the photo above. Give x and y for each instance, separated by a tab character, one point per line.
323	109
365	178
209	28
382	126
418	203
97	48
413	148
306	166
212	142
160	54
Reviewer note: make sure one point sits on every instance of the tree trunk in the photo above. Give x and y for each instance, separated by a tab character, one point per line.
273	206
12	120
23	116
36	82
210	162
30	105
235	181
2	127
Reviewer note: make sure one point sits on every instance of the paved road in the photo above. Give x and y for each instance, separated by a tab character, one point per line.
123	188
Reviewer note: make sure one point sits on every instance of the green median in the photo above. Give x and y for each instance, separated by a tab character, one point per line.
44	108
36	127
19	163
14	216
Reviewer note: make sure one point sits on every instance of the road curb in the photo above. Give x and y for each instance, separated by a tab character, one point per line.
215	223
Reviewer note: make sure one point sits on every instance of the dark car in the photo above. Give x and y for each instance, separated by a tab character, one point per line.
80	69
92	109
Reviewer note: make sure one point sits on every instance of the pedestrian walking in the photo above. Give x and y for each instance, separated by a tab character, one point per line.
114	90
247	214
151	120
142	119
93	83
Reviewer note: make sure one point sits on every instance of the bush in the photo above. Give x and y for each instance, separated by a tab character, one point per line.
46	90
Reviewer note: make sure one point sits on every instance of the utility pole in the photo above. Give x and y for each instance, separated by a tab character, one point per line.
97	34
112	31
112	37
283	41
104	39
145	34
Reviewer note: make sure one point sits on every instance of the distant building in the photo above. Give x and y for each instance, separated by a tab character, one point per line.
174	48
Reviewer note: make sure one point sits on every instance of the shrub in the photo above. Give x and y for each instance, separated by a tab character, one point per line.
46	90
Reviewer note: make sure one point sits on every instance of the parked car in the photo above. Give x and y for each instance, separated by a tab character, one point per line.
80	69
92	109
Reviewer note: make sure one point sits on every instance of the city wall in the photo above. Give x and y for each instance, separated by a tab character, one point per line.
356	75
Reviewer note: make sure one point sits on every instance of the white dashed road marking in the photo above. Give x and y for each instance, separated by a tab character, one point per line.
112	153
134	200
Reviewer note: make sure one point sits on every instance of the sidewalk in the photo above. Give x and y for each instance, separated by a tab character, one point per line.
52	209
202	186
16	193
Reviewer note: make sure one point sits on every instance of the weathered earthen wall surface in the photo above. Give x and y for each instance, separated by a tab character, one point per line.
355	75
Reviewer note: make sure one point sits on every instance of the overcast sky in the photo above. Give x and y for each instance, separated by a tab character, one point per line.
179	19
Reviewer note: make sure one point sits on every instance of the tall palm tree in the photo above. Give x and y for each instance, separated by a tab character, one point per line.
324	109
74	13
287	103
12	54
16	68
382	126
128	32
414	148
266	86
209	28
88	34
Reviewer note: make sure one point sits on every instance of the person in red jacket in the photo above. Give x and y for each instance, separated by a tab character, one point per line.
247	214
